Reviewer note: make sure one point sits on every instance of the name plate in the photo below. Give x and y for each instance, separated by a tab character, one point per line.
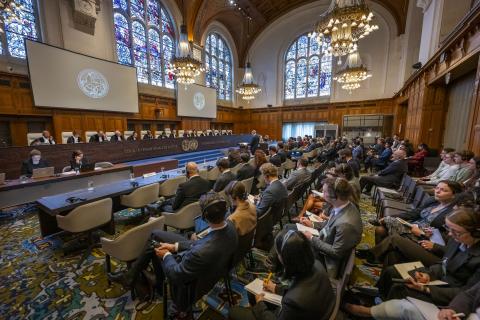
150	174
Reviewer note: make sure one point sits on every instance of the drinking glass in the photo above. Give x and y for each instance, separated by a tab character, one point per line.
90	185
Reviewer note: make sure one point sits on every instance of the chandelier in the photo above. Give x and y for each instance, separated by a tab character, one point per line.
352	73
248	89
344	23
11	12
183	65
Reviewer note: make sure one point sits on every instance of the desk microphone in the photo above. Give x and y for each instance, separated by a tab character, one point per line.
74	199
134	184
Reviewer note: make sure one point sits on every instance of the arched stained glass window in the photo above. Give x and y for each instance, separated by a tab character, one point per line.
26	26
145	39
308	69
218	66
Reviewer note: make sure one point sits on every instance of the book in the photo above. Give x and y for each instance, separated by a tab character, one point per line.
407	224
256	287
405	268
302	228
313	217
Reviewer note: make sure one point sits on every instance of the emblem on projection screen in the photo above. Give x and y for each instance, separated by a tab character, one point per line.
92	83
199	101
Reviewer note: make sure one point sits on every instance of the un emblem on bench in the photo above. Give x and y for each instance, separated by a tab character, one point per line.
189	145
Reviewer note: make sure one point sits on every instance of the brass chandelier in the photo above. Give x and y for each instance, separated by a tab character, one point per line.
183	65
344	23
10	10
352	73
248	88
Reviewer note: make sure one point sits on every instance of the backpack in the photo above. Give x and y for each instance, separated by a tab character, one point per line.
144	289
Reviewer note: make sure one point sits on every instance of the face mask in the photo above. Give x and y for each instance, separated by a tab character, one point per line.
36	159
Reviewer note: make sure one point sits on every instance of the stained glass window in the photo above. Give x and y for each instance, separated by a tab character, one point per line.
218	66
145	39
308	69
26	26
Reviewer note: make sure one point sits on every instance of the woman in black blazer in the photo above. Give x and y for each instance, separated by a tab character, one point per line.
309	296
77	160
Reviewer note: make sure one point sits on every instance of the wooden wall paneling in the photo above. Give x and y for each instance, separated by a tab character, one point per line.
93	122
18	132
474	125
64	121
113	123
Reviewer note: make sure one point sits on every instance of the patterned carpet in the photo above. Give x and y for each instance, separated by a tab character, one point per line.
38	282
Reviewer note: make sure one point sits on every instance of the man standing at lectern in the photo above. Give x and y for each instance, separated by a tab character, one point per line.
254	142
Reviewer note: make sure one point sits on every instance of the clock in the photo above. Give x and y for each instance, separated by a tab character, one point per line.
199	101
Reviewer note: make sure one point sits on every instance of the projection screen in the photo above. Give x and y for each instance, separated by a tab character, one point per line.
196	101
64	79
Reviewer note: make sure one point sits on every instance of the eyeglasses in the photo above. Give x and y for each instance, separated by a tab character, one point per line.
455	233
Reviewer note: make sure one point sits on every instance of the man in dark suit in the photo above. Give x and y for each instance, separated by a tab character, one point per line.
75	137
117	137
390	177
345	156
275	193
46	138
274	156
246	170
281	152
148	135
191	267
98	137
298	176
189	191
254	142
341	232
225	177
34	162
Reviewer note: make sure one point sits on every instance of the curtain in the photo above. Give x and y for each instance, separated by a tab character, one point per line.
458	114
298	129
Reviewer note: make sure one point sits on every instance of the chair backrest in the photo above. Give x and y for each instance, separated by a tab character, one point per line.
252	162
248	183
87	216
169	187
109	134
183	218
264	227
158	134
235	169
66	135
339	285
203	173
181	132
431	163
127	134
32	136
289	164
103	164
141	197
88	134
418	197
168	131
213	173
142	133
261	182
245	243
67	168
129	245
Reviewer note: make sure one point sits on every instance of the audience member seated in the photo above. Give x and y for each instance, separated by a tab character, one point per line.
35	161
446	171
465	168
357	152
396	142
189	191
275	194
345	155
442	166
117	137
381	162
75	137
98	137
397	242
260	159
282	152
390	177
299	176
341	232
185	262
246	170
225	175
77	161
459	267
415	163
275	158
46	138
474	179
133	137
309	296
234	157
163	135
374	151
245	215
148	135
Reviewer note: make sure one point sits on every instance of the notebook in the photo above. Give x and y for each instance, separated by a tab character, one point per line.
302	228
405	268
256	287
43	172
313	217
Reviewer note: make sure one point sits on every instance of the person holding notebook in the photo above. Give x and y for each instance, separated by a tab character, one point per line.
309	296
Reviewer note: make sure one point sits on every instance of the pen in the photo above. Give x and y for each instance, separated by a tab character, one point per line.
458	315
265	281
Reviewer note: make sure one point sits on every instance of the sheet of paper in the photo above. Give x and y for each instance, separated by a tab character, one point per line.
256	287
68	173
403	268
427	309
313	217
436	283
301	227
437	237
251	198
317	194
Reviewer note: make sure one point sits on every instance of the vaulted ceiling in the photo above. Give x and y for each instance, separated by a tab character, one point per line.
200	13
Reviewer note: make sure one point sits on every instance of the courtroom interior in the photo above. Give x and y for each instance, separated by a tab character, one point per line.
240	159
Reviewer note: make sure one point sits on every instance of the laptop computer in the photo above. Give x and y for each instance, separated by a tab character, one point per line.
2	178
43	172
201	226
87	167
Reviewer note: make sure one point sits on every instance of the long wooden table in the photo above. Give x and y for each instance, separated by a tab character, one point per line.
59	155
